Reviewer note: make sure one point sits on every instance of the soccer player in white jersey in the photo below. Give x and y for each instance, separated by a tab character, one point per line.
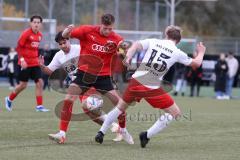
159	56
67	58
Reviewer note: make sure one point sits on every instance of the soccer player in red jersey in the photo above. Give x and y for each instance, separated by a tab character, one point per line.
146	82
98	46
67	59
27	48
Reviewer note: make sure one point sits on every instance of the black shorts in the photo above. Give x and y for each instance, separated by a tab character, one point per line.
34	73
102	84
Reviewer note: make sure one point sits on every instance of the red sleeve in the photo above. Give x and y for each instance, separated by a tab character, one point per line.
80	32
21	43
22	39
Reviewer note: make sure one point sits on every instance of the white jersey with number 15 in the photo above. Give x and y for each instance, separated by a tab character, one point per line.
159	56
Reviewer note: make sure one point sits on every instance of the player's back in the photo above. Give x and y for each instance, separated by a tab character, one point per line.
159	56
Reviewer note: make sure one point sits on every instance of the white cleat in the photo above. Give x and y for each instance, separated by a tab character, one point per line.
126	136
118	138
58	137
115	127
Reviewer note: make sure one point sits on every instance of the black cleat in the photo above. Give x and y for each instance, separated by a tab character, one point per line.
99	137
143	139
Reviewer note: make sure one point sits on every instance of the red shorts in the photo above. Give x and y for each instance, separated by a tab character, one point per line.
157	98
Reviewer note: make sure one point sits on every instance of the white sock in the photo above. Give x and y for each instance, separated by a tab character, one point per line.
103	117
111	117
159	125
63	133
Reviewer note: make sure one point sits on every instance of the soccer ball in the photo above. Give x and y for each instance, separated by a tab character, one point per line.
94	102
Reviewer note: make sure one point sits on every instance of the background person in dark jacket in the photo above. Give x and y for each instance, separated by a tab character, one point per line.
194	77
221	69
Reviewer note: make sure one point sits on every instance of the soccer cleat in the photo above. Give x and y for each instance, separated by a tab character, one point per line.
116	129
41	108
8	104
143	139
118	138
58	137
99	137
126	136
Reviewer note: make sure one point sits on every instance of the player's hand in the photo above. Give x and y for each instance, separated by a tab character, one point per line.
67	31
41	60
70	27
23	63
123	47
201	48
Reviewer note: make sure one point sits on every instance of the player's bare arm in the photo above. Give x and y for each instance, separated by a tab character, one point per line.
200	50
44	68
131	51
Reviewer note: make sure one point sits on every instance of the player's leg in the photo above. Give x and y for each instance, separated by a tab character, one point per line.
66	113
98	116
112	117
36	75
39	96
23	78
178	87
184	86
106	86
172	111
114	96
116	112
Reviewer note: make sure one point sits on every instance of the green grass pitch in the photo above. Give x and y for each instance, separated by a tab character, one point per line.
209	130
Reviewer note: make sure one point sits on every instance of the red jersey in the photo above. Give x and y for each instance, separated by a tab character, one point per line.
96	50
27	47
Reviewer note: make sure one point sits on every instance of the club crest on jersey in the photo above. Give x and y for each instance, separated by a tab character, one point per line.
93	37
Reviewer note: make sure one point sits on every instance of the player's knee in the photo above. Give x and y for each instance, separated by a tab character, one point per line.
70	97
23	86
177	114
74	90
175	111
122	105
39	83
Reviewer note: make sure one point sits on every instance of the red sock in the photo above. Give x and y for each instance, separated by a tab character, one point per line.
12	96
122	120
39	100
66	114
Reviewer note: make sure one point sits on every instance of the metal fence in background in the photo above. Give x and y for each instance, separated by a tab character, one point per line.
219	45
137	15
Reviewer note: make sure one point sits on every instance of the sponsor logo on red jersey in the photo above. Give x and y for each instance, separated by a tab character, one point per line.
35	44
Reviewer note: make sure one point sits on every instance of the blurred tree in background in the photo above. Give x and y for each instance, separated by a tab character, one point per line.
219	18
